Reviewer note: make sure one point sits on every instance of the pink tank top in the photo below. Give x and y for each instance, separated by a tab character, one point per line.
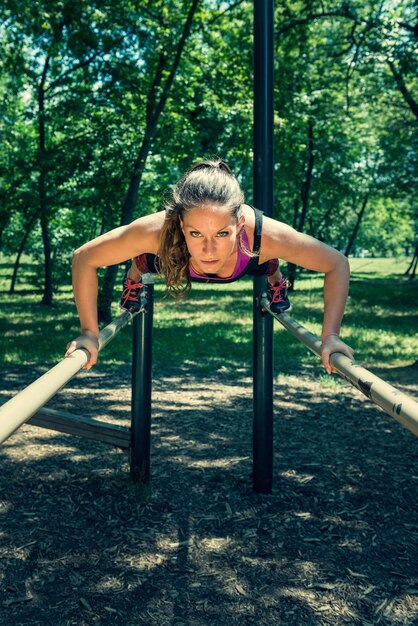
242	262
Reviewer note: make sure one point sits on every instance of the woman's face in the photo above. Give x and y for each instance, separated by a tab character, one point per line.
211	237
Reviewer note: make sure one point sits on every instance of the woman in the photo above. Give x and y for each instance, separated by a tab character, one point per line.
208	234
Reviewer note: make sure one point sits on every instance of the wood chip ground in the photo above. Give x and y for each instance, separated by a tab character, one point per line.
335	544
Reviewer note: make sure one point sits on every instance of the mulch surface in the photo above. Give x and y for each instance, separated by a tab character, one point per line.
335	543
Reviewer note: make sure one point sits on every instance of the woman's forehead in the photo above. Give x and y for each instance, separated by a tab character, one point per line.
212	213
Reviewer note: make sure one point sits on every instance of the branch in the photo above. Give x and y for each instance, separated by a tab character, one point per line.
360	215
153	115
315	16
181	45
412	29
162	62
413	105
44	73
71	70
217	17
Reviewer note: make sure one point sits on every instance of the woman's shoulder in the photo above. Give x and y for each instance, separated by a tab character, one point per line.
278	239
150	222
147	230
248	211
249	214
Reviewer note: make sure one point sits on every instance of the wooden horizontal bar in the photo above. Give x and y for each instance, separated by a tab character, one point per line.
26	403
394	402
65	422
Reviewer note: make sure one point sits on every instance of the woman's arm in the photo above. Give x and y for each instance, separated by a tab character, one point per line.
281	241
113	247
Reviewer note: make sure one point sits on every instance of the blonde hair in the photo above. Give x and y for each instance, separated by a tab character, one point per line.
206	182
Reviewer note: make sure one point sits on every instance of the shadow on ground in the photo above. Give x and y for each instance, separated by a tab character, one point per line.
336	542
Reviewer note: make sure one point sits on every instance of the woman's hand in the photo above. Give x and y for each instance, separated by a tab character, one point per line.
90	342
331	344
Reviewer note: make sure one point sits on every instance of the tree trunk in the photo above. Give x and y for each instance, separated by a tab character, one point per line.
295	212
43	202
43	165
154	110
29	227
306	186
304	193
3	223
319	234
412	269
404	89
47	295
357	226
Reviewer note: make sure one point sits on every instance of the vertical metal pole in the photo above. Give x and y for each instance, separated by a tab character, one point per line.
141	386
263	199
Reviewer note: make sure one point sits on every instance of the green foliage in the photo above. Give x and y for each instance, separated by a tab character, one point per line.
333	69
345	72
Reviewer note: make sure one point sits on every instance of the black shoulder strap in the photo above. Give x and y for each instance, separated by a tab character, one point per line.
258	227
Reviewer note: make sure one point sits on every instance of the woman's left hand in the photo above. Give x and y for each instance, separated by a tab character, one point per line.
331	344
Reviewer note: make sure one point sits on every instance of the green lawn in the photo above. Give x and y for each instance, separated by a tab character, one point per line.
212	329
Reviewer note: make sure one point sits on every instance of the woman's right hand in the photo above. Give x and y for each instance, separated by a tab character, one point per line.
90	342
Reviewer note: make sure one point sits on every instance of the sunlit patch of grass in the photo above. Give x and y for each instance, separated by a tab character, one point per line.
380	267
331	382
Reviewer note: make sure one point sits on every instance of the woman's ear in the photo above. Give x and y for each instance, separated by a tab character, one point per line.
241	223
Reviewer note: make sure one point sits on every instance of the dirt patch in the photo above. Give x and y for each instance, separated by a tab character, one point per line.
336	543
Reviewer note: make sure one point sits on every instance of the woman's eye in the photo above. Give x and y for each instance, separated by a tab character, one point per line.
223	233
194	233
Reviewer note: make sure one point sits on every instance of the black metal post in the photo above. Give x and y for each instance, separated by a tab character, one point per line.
263	199
141	387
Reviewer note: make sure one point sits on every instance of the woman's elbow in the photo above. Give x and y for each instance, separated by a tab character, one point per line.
338	264
345	263
342	264
80	257
77	254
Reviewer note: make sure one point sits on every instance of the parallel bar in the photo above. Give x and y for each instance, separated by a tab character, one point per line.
263	200
21	407
141	387
394	402
65	422
262	397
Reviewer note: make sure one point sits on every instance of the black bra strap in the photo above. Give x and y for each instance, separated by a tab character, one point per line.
258	227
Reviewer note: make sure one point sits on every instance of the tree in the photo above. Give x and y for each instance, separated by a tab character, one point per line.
158	92
332	79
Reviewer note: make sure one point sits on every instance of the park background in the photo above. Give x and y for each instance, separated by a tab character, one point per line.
104	105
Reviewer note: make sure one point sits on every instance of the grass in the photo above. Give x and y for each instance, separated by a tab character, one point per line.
212	329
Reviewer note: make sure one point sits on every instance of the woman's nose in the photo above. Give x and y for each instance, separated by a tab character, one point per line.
209	245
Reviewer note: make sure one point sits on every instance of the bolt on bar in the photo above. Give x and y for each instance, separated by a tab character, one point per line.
20	408
394	402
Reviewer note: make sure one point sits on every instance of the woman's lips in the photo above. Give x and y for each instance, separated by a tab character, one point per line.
209	262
